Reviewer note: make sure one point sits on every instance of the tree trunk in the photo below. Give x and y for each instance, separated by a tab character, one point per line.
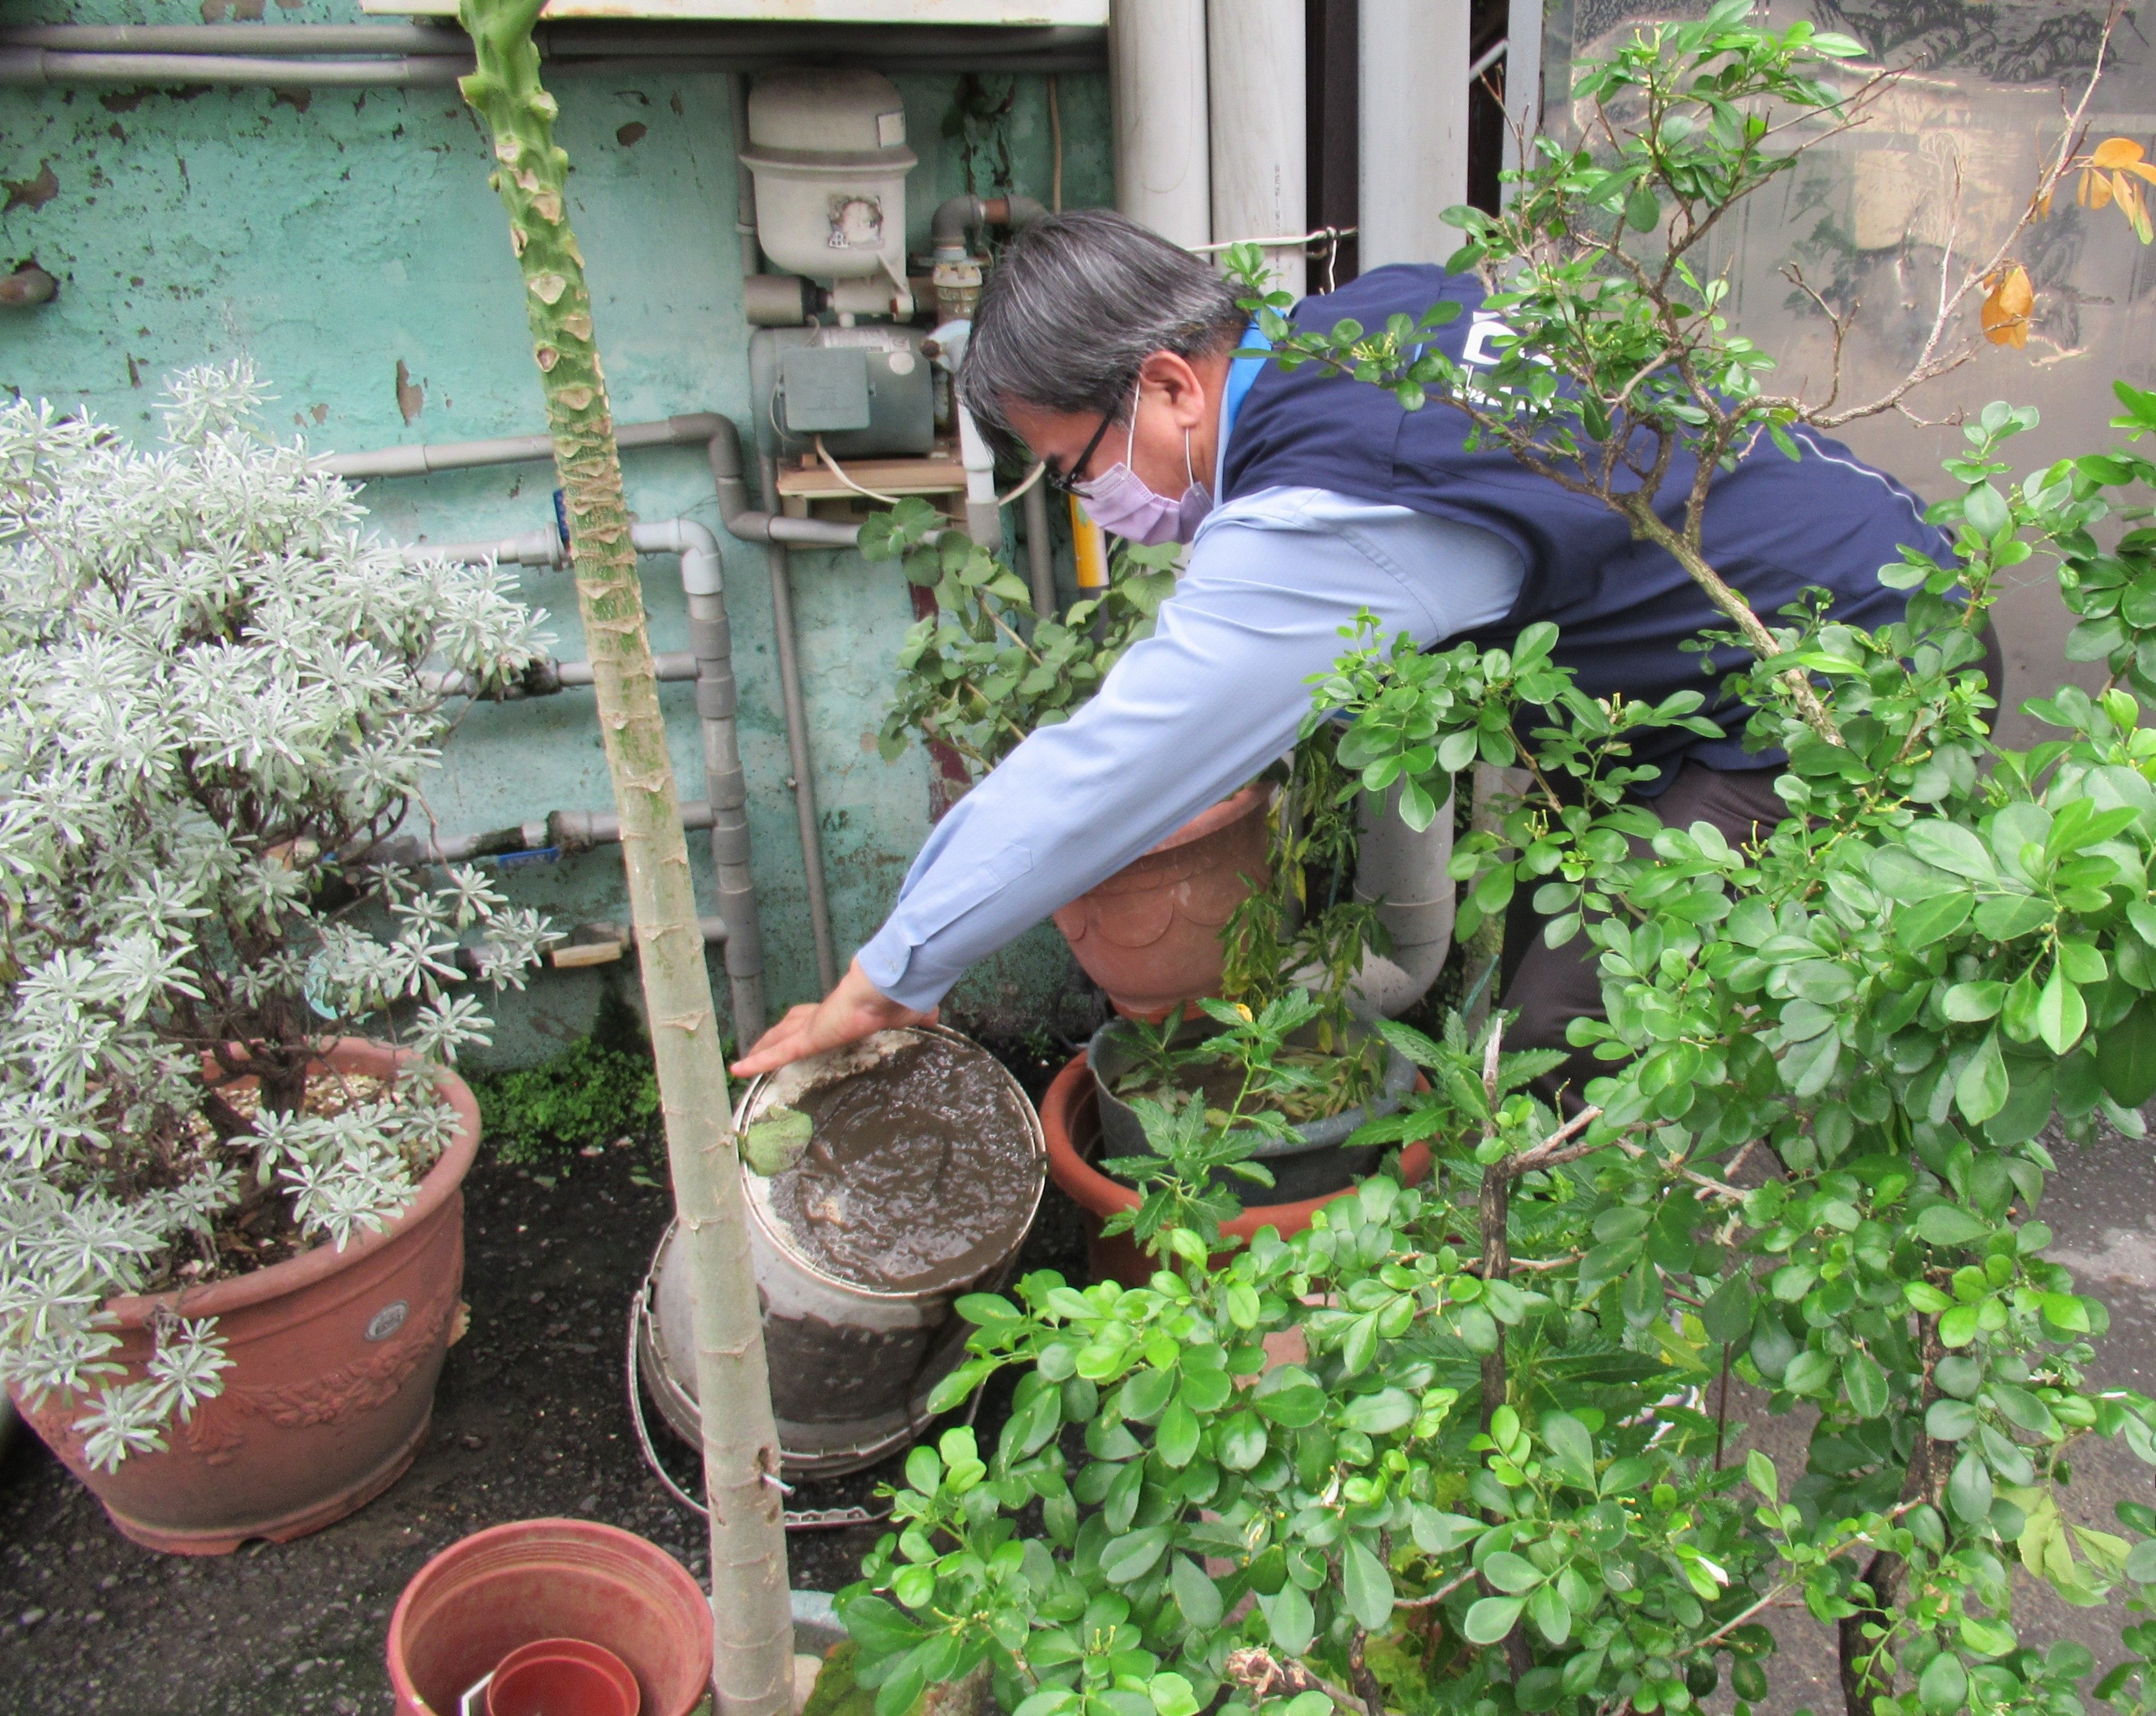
754	1628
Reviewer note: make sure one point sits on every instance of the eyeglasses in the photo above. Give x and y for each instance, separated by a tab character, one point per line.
1067	482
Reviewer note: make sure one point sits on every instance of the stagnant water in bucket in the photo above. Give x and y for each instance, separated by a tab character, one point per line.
919	1173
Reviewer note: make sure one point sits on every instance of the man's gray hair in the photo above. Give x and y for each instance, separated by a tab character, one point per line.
1078	303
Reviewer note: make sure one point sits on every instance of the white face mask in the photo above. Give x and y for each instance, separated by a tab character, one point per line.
1119	503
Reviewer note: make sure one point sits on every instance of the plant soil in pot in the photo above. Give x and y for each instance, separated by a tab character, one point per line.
1150	934
886	1180
335	1354
1314	1161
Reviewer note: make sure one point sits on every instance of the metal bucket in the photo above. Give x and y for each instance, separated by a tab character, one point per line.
851	1366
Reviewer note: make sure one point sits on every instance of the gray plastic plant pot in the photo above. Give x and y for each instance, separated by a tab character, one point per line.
1315	1161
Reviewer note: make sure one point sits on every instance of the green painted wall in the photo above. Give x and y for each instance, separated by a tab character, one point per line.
347	241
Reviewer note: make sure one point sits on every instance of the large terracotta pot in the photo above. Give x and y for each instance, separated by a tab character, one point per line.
1070	1117
335	1358
1150	934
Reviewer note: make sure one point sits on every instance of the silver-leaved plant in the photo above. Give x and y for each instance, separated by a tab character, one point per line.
214	701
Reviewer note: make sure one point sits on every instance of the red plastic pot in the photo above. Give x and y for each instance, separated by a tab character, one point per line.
1069	1119
562	1677
335	1355
497	1591
1150	934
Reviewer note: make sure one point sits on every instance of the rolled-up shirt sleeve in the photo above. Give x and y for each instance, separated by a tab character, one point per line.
1186	717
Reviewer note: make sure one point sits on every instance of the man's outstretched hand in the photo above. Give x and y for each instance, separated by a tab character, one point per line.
854	1009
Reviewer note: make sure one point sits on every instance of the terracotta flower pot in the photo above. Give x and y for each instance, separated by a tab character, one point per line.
498	1589
1150	934
1070	1119
335	1357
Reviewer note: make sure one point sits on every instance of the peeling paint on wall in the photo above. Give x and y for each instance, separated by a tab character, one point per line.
31	192
411	397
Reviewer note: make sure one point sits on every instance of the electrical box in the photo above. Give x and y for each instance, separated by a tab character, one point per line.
822	388
867	390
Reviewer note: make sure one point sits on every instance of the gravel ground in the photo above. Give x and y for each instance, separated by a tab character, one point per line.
531	1420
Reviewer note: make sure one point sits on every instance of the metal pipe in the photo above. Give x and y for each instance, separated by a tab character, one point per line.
244	39
557	831
545	679
797	738
1523	77
1040	554
1405	876
955	217
710	663
39	65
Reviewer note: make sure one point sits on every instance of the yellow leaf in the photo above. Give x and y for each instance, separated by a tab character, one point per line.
2006	313
2117	151
2128	195
2094	191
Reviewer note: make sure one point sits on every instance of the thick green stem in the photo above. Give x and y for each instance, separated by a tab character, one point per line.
1647	525
754	1629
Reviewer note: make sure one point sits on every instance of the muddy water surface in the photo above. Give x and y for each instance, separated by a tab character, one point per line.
921	1171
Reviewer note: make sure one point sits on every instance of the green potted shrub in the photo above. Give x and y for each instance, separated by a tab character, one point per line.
230	1237
1467	1446
983	671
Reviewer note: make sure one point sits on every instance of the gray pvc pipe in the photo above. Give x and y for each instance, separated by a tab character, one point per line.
1405	875
723	448
710	664
796	739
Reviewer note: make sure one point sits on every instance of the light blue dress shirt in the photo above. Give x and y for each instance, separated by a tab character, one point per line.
1188	715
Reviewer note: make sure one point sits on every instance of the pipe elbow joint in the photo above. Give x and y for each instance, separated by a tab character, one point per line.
958	216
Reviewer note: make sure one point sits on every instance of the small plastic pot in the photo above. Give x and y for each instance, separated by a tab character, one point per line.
562	1677
1071	1123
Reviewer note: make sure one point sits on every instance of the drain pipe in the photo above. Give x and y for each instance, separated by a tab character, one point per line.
1405	875
1261	170
723	448
1040	554
1157	86
1412	124
803	782
726	789
542	838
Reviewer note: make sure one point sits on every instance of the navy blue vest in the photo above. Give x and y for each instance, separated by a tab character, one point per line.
1775	527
